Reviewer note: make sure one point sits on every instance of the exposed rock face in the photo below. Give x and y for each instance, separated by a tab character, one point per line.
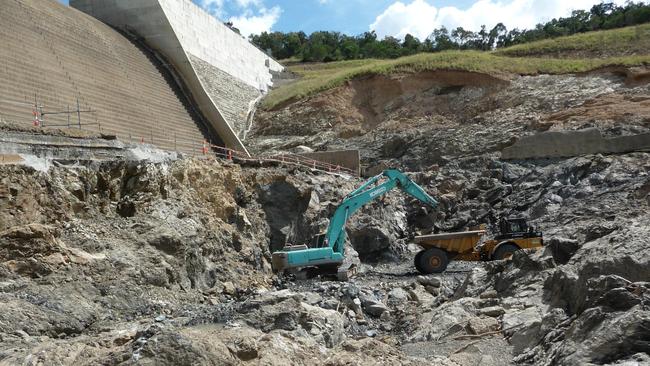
168	263
148	251
583	300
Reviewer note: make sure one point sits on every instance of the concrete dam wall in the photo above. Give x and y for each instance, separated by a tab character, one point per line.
56	55
225	73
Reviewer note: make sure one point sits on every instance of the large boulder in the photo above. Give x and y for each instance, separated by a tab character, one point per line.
523	327
562	249
285	310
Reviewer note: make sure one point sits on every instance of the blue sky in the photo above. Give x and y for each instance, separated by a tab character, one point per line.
387	17
350	17
347	16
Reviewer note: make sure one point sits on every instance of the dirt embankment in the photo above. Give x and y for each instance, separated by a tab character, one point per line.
614	108
375	96
364	103
419	120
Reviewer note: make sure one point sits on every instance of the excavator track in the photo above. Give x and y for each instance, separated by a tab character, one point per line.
341	273
345	272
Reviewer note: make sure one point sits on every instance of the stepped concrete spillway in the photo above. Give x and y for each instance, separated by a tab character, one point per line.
225	74
56	55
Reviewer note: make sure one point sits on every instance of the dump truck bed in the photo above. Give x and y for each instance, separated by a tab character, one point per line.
459	242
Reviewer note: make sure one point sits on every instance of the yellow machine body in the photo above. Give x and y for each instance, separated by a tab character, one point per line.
465	246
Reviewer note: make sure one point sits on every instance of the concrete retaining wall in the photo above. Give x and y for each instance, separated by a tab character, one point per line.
346	158
180	31
556	144
209	39
198	32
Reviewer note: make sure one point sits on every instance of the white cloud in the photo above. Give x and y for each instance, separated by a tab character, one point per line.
420	17
215	7
248	3
250	16
399	19
251	23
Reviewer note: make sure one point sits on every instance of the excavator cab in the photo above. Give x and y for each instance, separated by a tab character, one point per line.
318	241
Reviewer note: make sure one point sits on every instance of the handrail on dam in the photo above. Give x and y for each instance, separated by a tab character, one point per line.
290	159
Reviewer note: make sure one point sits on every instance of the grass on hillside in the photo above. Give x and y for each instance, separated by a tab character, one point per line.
622	41
320	77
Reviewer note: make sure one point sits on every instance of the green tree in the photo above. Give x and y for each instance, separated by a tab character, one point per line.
411	45
441	40
330	46
497	36
350	49
463	38
389	47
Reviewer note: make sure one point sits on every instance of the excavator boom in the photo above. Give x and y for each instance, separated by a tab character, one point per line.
333	253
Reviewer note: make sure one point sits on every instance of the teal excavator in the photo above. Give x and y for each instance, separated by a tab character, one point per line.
328	250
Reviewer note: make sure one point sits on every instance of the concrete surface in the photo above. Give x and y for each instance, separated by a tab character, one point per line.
178	29
346	158
58	55
22	148
60	147
556	144
204	36
237	100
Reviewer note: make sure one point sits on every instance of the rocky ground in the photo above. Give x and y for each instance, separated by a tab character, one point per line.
419	125
169	262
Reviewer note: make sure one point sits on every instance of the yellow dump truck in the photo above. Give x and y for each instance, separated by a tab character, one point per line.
439	249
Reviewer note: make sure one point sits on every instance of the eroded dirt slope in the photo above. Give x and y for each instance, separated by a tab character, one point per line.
446	115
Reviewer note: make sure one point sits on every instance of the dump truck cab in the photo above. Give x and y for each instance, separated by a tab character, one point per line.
514	234
515	228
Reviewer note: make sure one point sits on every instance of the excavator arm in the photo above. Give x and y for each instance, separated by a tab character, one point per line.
333	253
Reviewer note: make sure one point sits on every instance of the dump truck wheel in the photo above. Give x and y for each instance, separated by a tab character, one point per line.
504	251
416	260
433	260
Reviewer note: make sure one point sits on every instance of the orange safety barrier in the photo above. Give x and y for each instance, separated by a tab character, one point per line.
36	120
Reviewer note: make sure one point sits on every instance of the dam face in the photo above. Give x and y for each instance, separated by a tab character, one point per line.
225	74
162	72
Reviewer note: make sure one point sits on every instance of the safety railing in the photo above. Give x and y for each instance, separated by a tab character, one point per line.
283	159
41	116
